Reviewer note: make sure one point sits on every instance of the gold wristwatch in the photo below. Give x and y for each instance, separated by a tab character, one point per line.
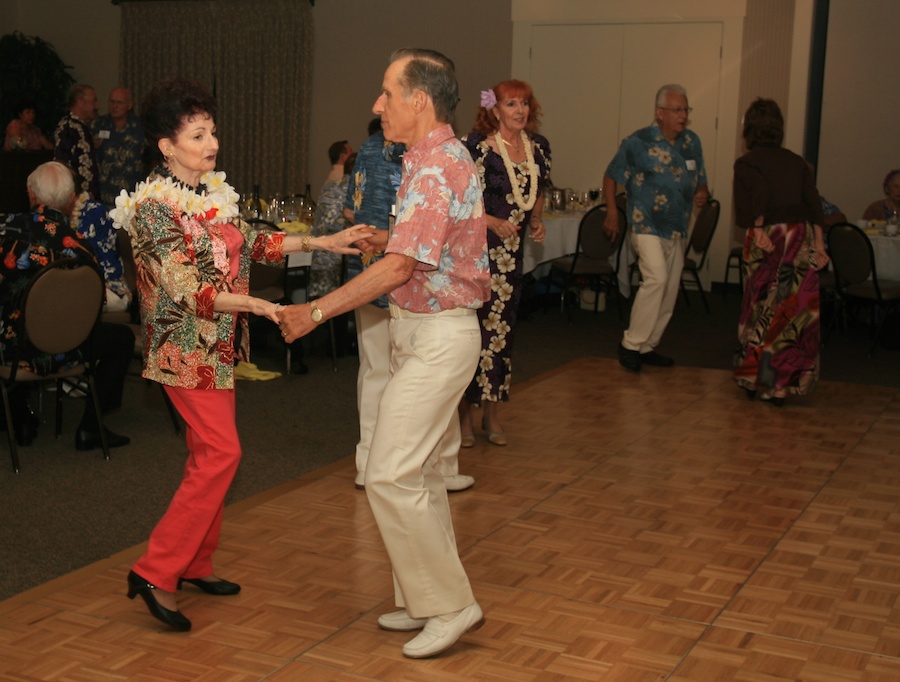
315	314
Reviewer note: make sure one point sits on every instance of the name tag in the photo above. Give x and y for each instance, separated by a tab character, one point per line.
691	164
104	135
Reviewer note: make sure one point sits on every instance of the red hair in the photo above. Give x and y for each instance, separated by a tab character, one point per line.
485	121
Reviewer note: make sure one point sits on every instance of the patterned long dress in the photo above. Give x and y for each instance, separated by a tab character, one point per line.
498	315
778	329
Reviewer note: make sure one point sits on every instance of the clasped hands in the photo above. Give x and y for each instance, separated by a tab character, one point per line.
295	321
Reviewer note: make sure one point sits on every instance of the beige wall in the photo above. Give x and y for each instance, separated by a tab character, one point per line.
859	142
84	34
354	39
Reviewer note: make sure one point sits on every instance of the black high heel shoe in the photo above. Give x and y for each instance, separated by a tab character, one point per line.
139	586
217	587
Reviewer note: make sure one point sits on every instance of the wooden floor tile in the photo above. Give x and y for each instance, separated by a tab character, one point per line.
637	528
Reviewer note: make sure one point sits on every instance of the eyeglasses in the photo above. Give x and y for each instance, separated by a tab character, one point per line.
679	110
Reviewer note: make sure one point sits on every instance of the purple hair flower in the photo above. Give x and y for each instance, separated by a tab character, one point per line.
488	99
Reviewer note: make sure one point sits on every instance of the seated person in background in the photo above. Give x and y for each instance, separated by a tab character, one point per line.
883	209
90	219
23	133
833	215
30	241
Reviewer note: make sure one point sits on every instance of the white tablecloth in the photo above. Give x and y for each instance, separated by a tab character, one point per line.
887	256
561	239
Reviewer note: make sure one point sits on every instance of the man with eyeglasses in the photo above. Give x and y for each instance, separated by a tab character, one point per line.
661	167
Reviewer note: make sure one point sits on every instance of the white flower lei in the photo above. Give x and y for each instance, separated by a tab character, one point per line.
75	220
218	204
521	202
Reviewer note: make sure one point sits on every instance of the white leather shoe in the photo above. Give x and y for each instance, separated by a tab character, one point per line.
360	480
458	482
400	621
439	635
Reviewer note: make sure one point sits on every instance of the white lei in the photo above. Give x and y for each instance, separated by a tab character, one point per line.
219	204
521	202
75	221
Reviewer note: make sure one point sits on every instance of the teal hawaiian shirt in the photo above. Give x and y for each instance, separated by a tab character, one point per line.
660	180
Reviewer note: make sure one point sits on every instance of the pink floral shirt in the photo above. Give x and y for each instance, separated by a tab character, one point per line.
440	222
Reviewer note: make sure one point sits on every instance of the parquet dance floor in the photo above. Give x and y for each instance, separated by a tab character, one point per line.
637	528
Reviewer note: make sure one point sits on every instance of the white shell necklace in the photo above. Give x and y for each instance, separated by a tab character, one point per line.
521	202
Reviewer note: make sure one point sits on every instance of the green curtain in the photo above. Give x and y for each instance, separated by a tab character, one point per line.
257	59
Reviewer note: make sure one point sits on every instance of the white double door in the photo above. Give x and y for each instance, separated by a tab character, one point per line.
596	84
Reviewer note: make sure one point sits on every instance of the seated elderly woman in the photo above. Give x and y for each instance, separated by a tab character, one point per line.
883	209
22	133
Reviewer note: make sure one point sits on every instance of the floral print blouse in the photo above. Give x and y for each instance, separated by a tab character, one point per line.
182	263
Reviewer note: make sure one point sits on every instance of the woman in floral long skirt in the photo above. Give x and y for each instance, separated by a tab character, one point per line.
776	200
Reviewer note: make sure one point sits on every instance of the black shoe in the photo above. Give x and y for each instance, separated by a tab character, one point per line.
654	359
216	587
174	619
88	440
751	393
629	359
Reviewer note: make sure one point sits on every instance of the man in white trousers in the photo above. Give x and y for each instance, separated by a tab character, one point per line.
436	270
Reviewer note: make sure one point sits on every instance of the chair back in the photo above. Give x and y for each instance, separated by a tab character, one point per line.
851	255
593	242
704	229
62	304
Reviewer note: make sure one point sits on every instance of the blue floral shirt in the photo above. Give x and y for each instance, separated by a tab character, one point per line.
660	180
120	156
372	191
90	219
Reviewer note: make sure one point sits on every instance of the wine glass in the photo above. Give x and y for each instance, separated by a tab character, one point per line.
594	195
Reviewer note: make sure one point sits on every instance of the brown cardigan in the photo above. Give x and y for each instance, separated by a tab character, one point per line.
777	184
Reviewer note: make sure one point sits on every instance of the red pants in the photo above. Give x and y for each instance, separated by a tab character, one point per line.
182	544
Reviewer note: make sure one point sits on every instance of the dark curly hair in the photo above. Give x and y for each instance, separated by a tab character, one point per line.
763	124
169	104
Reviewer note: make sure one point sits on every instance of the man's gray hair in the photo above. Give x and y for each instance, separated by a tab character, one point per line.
52	185
673	88
434	74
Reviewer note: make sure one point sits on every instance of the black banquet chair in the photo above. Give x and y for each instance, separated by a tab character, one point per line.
698	246
61	306
856	278
592	259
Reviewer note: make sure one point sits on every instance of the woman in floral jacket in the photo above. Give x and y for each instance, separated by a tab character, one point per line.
193	257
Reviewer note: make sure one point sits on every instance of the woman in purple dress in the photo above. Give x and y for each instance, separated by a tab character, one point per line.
513	162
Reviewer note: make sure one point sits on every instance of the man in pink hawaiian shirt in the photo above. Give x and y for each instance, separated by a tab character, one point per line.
436	272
